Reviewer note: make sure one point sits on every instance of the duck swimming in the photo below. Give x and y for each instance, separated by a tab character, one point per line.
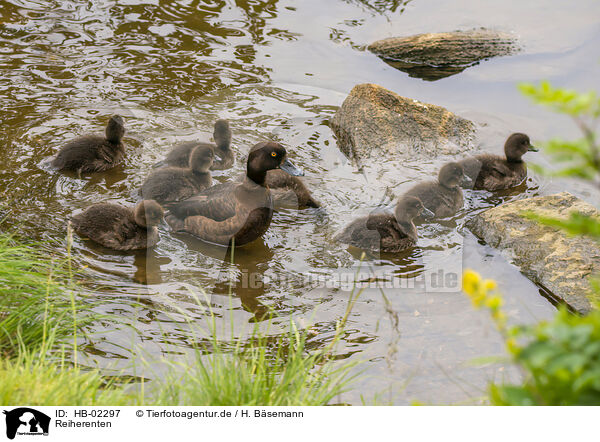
93	153
443	197
180	155
120	228
175	183
386	232
492	172
234	214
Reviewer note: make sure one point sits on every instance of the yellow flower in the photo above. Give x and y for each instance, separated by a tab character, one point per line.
477	299
471	282
489	285
513	347
493	302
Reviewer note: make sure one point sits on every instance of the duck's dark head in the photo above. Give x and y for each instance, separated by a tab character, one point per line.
267	156
222	134
452	175
148	213
516	146
410	207
201	159
115	129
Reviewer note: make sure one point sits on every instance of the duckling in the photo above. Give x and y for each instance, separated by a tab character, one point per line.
93	153
386	232
238	214
286	190
443	197
492	172
175	183
180	155
289	190
120	228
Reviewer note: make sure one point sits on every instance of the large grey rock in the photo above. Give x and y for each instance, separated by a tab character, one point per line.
563	264
439	55
375	123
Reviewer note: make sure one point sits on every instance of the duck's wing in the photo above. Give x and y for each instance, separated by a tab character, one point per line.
119	238
501	169
220	232
383	223
219	189
216	207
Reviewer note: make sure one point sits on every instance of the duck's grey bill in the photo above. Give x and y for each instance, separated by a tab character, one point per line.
288	167
532	148
428	213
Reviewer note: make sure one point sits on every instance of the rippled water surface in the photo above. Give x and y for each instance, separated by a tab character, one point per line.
279	70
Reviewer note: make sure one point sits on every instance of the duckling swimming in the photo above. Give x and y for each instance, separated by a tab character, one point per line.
180	155
175	183
289	190
120	228
443	197
492	172
286	190
386	232
234	214
93	153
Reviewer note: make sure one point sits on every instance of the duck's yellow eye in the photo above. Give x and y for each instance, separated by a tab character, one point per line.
273	154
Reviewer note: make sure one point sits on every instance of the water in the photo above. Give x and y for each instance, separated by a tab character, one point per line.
278	70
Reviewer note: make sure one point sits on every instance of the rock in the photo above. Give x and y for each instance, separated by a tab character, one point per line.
374	122
546	255
440	55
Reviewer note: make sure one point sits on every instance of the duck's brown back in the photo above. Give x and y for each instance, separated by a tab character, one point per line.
89	153
114	227
174	184
442	201
379	232
241	212
493	172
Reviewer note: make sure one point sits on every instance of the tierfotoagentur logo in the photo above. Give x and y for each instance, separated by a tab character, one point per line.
26	422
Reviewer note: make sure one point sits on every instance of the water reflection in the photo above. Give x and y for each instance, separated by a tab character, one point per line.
171	68
382	6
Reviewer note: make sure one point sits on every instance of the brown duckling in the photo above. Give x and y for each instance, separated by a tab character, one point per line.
286	190
180	155
443	197
93	153
386	232
492	172
238	214
289	190
175	183
120	228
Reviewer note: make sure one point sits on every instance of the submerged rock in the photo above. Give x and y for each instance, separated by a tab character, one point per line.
375	123
548	256
440	55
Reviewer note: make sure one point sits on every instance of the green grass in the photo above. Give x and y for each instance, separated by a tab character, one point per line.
34	380
268	372
41	316
36	305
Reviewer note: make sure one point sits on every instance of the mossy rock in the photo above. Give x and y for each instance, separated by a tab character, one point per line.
375	124
560	263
